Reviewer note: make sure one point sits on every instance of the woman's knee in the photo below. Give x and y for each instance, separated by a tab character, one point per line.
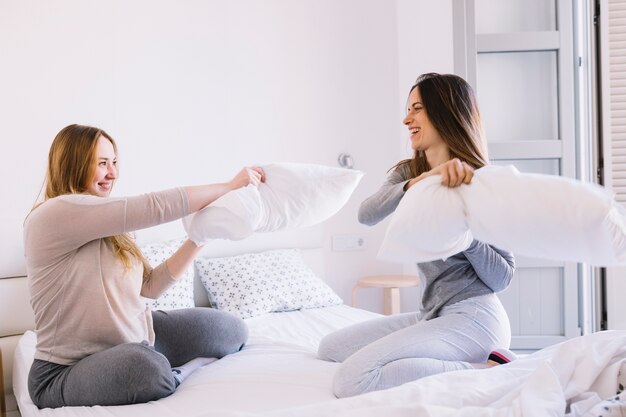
335	347
203	331
236	332
343	390
225	332
347	383
327	348
125	374
144	374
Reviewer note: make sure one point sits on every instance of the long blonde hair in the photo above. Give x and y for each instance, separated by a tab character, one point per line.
451	106
72	162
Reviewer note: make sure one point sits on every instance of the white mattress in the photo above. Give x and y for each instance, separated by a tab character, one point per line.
277	369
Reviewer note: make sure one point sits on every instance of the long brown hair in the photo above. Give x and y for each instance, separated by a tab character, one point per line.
451	106
72	162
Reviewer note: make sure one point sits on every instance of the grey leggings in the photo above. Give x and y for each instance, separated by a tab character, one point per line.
136	372
389	351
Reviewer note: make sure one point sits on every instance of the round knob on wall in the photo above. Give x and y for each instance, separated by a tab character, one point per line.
345	160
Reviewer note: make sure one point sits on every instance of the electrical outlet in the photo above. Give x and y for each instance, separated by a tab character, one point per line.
347	243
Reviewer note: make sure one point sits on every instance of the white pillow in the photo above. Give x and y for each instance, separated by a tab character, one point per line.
428	224
292	196
545	216
179	295
257	283
537	215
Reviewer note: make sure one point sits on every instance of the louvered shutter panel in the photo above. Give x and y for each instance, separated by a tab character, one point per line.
613	40
617	91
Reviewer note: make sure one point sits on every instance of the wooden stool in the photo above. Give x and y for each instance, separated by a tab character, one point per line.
391	285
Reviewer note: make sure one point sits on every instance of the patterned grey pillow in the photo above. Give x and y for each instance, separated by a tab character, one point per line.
179	295
257	283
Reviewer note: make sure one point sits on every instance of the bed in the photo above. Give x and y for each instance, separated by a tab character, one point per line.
274	284
278	374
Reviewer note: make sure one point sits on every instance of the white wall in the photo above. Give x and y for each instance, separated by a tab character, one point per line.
425	44
193	90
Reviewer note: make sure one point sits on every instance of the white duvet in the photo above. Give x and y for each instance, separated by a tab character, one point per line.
277	374
581	377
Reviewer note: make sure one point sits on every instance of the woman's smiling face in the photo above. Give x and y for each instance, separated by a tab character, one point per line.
422	132
105	173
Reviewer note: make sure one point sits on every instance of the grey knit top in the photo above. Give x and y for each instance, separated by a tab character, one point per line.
480	269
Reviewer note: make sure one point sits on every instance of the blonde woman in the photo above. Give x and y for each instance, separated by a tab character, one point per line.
97	343
462	324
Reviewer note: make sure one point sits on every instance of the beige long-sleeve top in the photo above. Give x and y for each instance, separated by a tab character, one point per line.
83	297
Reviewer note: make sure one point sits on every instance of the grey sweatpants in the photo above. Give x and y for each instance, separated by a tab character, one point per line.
136	372
388	351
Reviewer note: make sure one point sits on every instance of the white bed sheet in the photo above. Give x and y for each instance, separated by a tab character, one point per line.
278	375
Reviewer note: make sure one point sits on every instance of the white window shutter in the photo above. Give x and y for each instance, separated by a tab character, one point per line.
616	179
613	67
